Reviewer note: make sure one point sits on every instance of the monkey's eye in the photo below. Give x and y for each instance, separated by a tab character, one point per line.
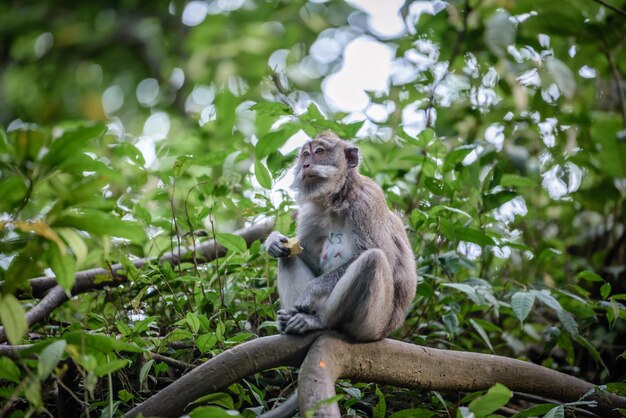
306	153
319	150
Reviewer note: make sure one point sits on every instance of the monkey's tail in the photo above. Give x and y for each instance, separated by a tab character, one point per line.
286	409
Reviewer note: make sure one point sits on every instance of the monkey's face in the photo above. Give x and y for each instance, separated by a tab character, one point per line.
322	166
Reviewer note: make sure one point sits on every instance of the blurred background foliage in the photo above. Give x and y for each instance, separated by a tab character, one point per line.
133	128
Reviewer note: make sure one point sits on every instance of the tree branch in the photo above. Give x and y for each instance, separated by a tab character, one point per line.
223	370
388	362
407	365
54	296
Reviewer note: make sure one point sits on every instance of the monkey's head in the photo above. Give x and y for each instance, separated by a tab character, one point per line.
324	165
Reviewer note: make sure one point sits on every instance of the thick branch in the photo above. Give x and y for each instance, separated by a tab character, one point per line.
98	278
227	368
402	364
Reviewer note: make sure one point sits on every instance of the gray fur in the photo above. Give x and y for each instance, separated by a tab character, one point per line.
368	295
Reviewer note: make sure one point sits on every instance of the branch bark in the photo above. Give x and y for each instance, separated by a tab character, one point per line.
330	357
407	365
223	370
54	296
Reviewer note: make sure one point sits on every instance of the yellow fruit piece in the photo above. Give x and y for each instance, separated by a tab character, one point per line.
293	245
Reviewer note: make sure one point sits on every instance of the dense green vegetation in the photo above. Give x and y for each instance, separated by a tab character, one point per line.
127	134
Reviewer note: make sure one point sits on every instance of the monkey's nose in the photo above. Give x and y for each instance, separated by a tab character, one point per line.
306	165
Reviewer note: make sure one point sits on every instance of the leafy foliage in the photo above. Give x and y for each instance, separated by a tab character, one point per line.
127	133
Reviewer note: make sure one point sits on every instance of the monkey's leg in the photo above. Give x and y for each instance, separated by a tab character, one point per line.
293	276
361	304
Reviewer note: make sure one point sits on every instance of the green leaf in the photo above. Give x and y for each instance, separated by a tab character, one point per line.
522	303
232	242
473	235
99	342
33	394
132	152
273	141
181	165
5	148
611	151
513	180
413	413
100	223
262	175
535	411
312	114
495	200
589	276
71	143
9	370
436	186
556	412
220	399
271	109
568	322
467	289
206	342
145	369
380	409
110	367
193	321
456	156
605	290
451	322
13	318
593	351
482	333
494	399
212	412
562	76
547	299
49	358
125	395
76	243
63	266
499	32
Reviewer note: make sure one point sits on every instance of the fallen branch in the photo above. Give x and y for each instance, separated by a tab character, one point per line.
54	296
387	362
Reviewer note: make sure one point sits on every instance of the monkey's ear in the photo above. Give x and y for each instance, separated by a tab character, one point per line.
352	156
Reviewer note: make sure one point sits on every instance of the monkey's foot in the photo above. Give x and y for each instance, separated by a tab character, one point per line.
301	323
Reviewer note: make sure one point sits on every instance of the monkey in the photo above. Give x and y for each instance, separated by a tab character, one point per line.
356	274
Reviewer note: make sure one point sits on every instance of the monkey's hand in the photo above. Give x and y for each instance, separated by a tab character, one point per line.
306	304
302	323
284	315
274	245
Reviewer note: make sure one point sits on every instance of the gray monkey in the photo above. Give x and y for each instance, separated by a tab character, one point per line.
357	273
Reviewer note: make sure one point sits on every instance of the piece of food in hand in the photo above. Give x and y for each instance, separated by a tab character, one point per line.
293	245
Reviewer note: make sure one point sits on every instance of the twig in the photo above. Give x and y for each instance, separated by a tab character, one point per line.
177	364
283	94
455	52
611	7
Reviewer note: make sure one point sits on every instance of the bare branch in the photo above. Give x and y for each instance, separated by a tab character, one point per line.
407	365
177	364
